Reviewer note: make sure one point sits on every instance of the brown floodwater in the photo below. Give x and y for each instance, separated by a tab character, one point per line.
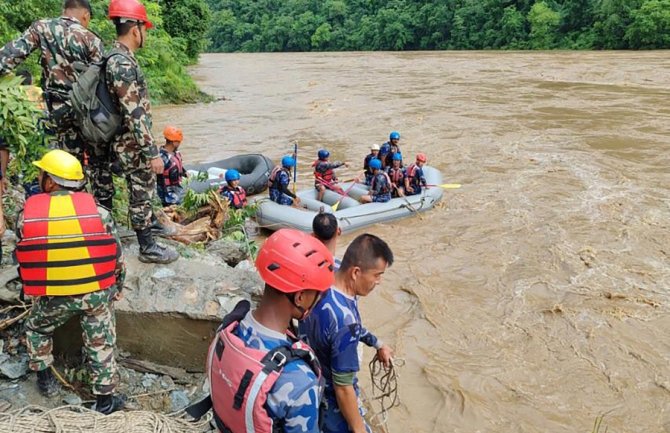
534	298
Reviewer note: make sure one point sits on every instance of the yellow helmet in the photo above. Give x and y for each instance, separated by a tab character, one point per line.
62	167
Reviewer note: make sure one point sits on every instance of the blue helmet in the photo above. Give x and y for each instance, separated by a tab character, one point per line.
396	157
375	164
288	161
323	154
232	175
395	135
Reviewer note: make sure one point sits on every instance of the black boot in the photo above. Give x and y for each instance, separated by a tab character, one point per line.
159	229
107	203
107	404
151	252
47	383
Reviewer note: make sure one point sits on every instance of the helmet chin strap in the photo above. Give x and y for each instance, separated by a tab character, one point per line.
303	311
139	27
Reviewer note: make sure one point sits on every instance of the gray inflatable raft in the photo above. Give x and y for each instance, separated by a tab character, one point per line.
351	215
254	171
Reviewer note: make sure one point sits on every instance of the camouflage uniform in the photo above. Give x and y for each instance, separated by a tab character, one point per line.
63	42
97	320
135	147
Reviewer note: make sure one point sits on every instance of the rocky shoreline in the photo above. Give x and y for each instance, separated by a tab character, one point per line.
165	322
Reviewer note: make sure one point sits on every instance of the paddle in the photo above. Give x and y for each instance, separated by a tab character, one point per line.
295	169
447	185
343	193
346	193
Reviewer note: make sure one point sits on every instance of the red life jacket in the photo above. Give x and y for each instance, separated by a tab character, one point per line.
175	164
387	188
239	196
64	247
327	176
396	175
241	377
411	171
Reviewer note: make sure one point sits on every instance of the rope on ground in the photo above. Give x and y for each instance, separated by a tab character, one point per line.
384	387
35	419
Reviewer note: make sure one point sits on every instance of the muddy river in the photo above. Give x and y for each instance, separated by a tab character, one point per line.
535	298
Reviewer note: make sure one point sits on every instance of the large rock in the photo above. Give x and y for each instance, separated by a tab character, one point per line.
169	313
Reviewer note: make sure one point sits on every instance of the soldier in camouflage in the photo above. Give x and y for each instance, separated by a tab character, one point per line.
136	149
64	43
60	175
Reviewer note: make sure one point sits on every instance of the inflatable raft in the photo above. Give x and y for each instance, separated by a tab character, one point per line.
254	170
351	215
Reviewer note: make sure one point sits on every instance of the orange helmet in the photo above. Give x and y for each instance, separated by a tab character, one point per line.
129	9
421	157
291	261
172	133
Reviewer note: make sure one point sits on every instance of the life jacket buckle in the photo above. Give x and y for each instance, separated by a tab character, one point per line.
279	359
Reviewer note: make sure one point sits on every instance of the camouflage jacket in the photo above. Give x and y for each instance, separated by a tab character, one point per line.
62	42
128	86
110	227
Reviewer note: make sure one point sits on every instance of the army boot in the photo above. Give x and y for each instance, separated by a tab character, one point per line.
151	252
106	404
47	383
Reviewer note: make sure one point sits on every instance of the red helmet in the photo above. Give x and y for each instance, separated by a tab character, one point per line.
130	9
421	157
173	133
291	261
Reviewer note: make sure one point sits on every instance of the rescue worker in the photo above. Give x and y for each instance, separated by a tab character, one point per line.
397	175
335	328
232	190
414	177
64	42
70	259
135	148
385	149
324	174
254	350
380	187
280	177
325	229
388	161
168	183
374	153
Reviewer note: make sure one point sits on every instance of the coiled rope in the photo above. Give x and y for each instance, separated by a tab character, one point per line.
67	419
384	388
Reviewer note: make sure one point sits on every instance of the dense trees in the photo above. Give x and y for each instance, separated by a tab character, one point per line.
175	42
319	25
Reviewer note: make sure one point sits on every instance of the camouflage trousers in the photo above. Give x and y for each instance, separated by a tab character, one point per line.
97	167
141	187
96	315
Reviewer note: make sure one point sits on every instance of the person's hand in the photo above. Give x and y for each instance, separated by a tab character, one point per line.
156	165
296	200
346	163
385	355
117	297
410	189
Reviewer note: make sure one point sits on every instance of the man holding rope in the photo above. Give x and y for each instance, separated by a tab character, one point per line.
334	329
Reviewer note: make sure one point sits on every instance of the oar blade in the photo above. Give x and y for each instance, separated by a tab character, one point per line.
450	185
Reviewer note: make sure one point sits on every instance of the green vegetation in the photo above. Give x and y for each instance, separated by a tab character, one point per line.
174	44
345	25
18	120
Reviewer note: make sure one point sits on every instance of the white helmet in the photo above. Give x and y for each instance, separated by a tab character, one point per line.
374	147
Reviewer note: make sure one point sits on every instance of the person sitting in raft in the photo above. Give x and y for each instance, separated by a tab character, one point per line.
386	148
374	152
324	174
168	184
397	175
232	190
380	188
280	177
414	177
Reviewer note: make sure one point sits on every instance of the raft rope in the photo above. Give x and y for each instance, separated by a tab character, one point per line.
384	388
35	419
